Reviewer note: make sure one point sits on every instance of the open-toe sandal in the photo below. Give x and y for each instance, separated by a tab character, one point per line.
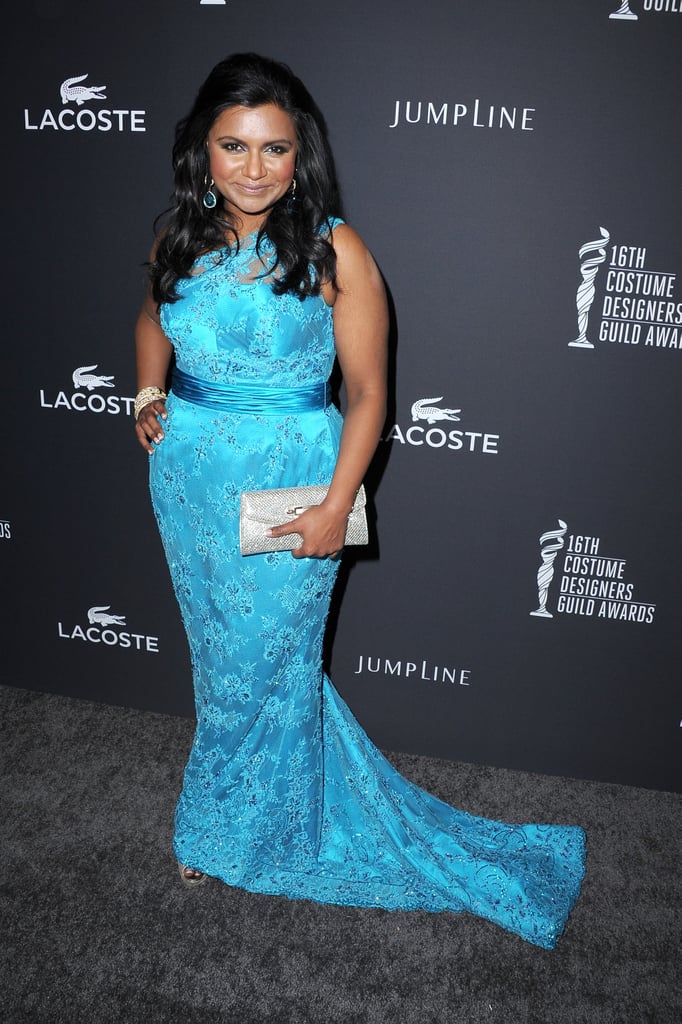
191	880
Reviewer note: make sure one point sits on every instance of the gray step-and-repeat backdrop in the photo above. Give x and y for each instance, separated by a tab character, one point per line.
514	167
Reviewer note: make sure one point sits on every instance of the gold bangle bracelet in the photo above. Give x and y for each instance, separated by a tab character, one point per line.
145	396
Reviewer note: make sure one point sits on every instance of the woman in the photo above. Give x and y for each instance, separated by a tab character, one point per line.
256	286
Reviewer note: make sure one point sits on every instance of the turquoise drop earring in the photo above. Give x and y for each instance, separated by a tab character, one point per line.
210	201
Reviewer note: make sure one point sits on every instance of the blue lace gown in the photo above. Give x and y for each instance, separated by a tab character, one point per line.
283	792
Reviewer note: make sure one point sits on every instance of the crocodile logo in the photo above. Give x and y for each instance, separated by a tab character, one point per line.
82	378
98	616
70	92
426	409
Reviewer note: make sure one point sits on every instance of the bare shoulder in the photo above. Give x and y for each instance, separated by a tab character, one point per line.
347	242
353	259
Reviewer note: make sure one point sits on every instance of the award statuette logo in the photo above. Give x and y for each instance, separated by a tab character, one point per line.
624	13
550	543
585	294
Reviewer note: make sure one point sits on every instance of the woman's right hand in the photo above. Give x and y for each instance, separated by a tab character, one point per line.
148	429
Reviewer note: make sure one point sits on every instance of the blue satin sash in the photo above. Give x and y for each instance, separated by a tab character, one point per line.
250	399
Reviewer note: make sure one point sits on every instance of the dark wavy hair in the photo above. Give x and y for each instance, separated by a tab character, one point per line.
304	258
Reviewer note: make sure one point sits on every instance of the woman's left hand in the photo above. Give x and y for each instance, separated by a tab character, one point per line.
323	531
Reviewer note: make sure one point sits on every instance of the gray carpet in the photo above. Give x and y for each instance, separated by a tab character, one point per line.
97	927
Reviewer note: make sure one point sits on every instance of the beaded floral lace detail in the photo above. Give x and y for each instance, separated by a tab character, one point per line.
283	792
230	327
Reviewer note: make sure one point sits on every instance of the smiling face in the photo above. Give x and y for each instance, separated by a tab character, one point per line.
252	153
